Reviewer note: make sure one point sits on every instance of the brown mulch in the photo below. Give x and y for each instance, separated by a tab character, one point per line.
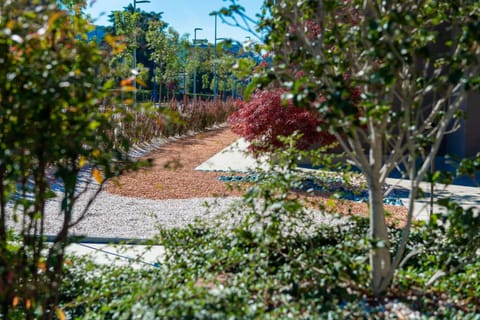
173	176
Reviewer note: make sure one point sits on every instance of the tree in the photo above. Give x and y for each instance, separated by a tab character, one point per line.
203	62
55	124
243	71
165	46
412	63
124	25
234	67
225	63
131	26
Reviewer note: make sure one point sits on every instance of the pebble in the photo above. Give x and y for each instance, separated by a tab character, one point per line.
114	216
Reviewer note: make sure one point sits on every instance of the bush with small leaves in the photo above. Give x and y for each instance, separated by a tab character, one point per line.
56	112
269	257
264	118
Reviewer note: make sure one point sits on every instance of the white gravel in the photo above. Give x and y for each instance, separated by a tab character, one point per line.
114	216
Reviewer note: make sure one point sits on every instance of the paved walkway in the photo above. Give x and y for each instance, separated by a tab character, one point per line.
466	196
233	158
136	256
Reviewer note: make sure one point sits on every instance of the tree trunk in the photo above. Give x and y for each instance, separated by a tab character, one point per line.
160	90
380	257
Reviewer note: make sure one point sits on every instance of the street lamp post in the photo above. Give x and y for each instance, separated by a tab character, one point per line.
154	82
215	61
134	62
195	63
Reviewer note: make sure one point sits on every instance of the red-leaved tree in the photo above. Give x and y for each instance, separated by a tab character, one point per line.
264	118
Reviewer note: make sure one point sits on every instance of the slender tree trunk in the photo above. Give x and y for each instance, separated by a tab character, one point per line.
380	257
160	90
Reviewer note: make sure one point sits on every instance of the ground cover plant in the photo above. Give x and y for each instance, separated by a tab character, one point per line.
214	276
270	258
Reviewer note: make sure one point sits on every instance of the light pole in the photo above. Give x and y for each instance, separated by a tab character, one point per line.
215	62
195	63
134	62
154	82
233	85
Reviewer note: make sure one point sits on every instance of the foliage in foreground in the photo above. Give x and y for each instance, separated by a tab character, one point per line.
241	275
414	63
56	129
61	124
270	258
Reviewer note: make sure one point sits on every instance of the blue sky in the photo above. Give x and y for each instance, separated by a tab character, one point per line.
183	15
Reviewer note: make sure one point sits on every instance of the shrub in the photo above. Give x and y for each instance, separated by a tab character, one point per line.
52	127
264	118
269	258
149	122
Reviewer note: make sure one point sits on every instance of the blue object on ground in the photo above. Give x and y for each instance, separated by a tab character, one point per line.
84	178
309	184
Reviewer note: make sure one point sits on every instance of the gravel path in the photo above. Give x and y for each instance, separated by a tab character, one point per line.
114	216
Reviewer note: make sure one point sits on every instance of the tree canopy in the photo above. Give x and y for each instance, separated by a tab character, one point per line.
389	79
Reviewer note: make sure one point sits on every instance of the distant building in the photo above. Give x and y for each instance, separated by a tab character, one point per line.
98	34
465	142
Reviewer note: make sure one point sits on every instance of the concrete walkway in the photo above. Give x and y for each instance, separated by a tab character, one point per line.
135	256
233	158
466	196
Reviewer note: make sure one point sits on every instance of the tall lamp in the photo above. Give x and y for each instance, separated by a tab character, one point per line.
215	61
134	63
195	63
